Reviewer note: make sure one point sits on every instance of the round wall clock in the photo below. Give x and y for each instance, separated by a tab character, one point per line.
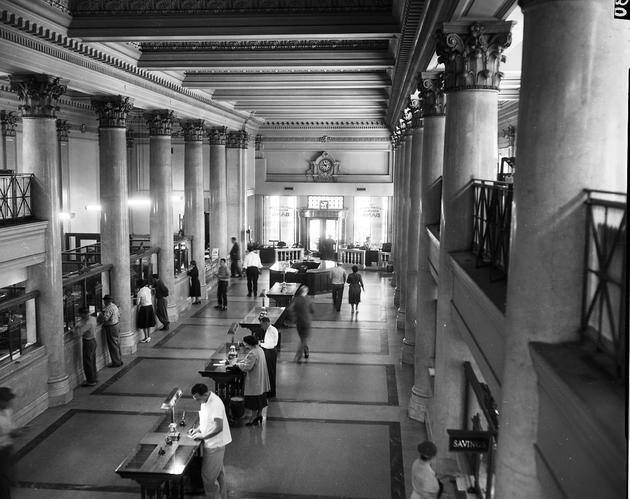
325	166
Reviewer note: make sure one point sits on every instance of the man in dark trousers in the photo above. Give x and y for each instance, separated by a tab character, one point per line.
161	292
235	258
110	318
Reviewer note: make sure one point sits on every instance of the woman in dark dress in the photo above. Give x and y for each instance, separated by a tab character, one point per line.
356	285
195	285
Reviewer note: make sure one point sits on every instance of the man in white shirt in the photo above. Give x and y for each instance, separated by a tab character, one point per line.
268	345
252	266
338	280
423	480
214	431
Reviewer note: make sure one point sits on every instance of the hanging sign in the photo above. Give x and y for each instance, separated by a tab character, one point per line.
469	440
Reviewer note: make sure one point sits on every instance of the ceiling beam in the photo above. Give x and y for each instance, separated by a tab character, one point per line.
274	94
297	80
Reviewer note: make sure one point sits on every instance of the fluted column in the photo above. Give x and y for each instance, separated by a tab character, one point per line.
218	191
233	190
401	318
160	125
431	86
112	143
8	126
471	54
413	227
193	192
573	123
39	95
243	166
395	140
63	133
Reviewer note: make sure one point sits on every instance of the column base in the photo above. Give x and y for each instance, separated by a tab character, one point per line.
204	291
407	352
400	319
128	342
59	392
173	311
418	405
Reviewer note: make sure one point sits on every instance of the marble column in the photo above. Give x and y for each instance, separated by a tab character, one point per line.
39	95
112	114
401	318
63	134
395	141
413	228
233	187
218	191
431	86
160	125
243	165
573	123
471	54
193	192
8	126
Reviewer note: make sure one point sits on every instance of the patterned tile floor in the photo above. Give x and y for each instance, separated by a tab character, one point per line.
338	427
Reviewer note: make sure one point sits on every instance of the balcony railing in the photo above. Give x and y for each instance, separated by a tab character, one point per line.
15	198
605	293
492	216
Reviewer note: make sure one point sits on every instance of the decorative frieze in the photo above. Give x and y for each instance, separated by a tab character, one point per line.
193	130
472	54
8	122
432	96
63	130
260	45
39	93
160	122
217	135
112	111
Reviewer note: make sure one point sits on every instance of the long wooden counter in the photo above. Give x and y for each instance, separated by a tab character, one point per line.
313	273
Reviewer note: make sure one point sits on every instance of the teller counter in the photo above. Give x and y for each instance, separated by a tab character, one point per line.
313	273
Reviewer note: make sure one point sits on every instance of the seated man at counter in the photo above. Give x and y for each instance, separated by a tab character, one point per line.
214	431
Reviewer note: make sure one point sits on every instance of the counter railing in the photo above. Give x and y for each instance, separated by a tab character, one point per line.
352	257
289	254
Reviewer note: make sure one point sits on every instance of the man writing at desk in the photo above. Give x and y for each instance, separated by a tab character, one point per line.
214	432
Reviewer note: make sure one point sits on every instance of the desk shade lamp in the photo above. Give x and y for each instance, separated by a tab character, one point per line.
169	404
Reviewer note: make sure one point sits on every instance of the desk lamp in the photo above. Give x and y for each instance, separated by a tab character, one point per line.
169	404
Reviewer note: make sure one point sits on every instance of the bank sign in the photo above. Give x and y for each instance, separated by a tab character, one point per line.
469	441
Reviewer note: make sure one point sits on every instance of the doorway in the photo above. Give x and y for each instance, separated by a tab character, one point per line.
321	228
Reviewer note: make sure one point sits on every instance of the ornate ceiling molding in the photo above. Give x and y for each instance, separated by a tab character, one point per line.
205	7
329	139
266	45
361	124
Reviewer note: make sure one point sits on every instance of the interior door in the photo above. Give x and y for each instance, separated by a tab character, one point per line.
314	233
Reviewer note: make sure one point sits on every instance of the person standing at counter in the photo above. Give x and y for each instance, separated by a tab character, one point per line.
161	303
214	432
301	310
356	285
110	318
423	480
146	315
235	257
252	265
256	379
337	280
268	345
223	281
86	328
195	285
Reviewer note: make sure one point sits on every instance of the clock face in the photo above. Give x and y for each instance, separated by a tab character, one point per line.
325	166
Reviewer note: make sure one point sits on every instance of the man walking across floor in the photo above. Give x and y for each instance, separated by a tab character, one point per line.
214	432
338	280
110	318
252	265
235	257
223	281
86	329
161	292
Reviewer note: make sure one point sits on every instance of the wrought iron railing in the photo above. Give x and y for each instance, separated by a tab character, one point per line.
80	259
15	198
492	217
605	292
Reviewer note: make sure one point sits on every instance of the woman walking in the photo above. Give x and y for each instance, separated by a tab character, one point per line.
195	285
302	310
256	379
354	291
146	315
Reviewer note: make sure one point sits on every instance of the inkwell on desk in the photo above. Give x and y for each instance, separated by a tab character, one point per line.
169	404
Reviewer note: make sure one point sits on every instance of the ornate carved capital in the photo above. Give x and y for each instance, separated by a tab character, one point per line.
258	142
193	130
217	135
237	139
8	122
472	53
63	130
416	118
39	92
112	111
433	98
160	122
130	138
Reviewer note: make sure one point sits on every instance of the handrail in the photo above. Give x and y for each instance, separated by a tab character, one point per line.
492	218
15	197
604	320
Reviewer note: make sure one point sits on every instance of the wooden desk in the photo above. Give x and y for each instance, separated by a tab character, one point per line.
283	297
162	475
276	318
226	384
315	274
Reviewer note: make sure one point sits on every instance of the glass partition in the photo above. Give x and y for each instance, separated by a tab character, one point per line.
82	291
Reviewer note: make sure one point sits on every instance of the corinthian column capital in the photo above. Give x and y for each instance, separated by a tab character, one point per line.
472	53
193	130
237	139
39	93
8	122
217	135
63	130
432	96
160	122
112	111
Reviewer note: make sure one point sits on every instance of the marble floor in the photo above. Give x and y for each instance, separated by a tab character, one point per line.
338	427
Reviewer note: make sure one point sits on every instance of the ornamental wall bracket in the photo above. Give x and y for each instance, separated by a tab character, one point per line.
324	168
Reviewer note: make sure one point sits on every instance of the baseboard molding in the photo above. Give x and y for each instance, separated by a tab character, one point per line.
31	410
